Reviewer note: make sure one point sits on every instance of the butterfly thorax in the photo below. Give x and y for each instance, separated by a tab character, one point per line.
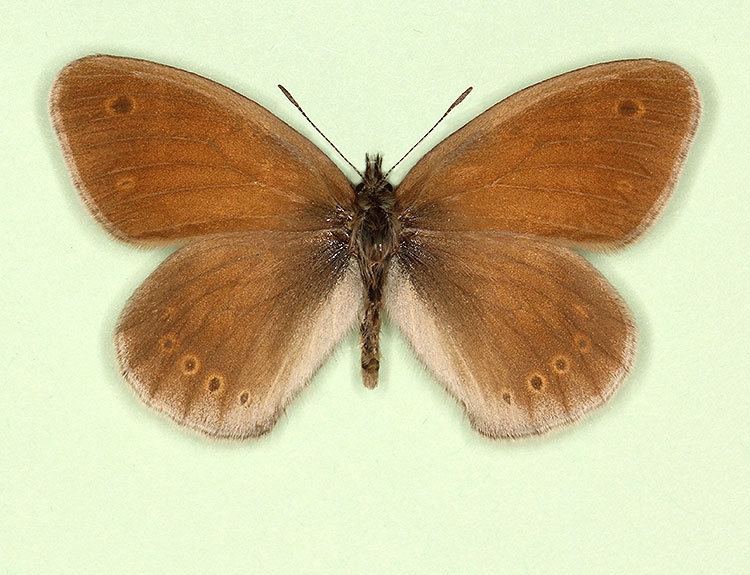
375	227
374	240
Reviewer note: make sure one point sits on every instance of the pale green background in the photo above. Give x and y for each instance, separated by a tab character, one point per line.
392	480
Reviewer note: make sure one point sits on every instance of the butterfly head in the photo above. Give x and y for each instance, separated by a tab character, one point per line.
374	189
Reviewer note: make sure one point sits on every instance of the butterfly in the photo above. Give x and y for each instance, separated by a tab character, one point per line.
281	255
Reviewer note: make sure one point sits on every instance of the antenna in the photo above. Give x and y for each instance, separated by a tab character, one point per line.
296	105
453	105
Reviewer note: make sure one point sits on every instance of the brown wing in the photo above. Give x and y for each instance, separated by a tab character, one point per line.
524	333
588	158
160	154
229	329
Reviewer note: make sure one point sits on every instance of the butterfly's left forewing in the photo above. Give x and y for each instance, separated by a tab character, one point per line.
160	155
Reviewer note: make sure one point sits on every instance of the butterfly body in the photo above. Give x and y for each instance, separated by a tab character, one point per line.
469	256
375	240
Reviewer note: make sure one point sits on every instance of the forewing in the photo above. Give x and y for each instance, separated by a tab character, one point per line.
159	154
587	158
524	333
229	329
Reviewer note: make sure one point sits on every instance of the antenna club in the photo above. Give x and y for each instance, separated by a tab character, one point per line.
456	102
301	111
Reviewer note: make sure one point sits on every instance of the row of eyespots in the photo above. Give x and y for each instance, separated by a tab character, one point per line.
190	365
214	382
560	364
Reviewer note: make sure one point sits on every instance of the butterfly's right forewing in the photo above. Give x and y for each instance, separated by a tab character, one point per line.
588	158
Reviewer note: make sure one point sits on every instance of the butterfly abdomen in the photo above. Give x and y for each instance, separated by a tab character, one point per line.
374	239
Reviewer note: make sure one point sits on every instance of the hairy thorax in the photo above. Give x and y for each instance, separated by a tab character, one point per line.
375	229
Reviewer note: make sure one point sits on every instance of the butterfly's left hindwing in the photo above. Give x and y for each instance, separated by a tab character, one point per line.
229	329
